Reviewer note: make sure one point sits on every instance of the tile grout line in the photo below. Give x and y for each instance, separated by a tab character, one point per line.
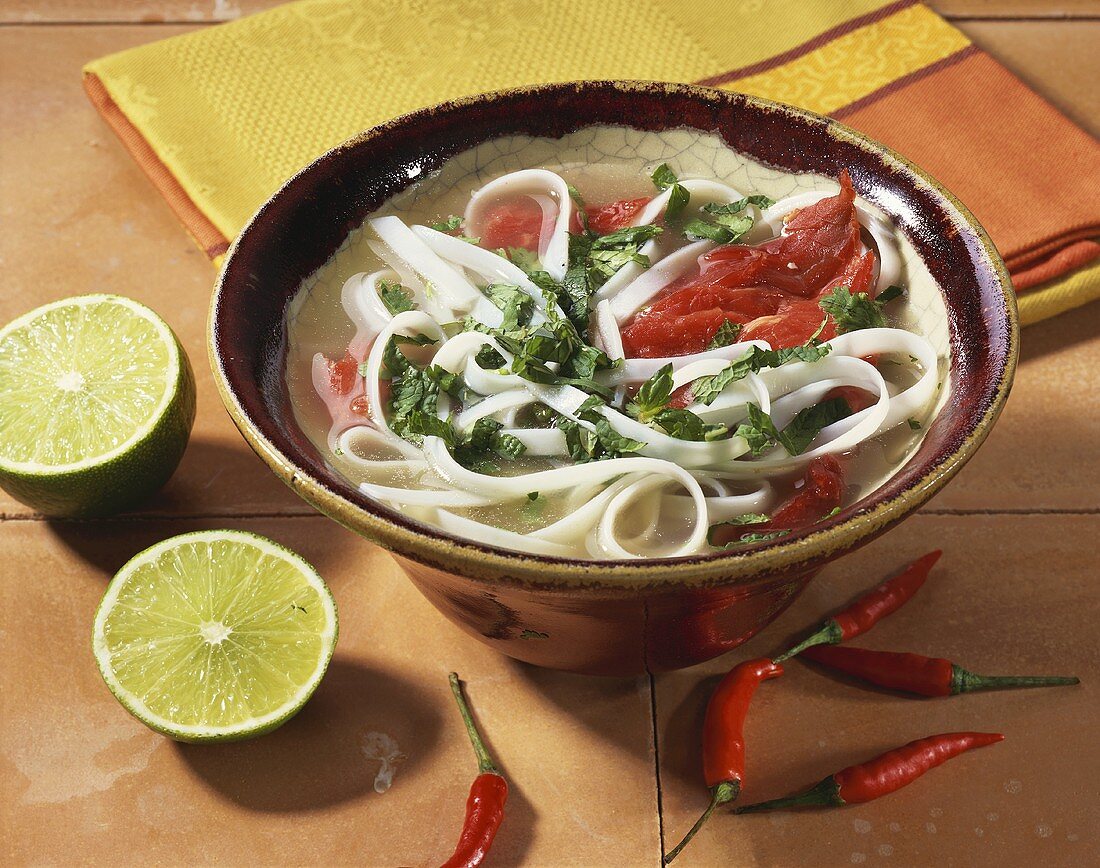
243	516
657	767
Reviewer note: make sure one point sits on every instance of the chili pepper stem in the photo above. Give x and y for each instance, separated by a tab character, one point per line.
722	794
828	634
964	681
484	761
825	795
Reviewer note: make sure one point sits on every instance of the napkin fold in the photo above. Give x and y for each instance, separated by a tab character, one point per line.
219	118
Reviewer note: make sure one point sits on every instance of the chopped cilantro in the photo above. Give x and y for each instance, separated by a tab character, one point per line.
663	177
706	389
852	311
678	199
725	224
413	340
450	224
516	304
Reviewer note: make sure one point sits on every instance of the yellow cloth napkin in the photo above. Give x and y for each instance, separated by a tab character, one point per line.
221	117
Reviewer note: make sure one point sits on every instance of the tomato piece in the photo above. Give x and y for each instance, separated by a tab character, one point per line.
857	275
342	374
857	398
605	219
817	243
772	289
514	223
659	336
794	324
821	492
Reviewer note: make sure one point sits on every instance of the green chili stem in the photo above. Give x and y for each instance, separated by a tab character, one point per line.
484	761
828	634
964	681
721	794
825	795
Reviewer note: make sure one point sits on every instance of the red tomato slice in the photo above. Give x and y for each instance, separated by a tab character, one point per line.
342	373
858	399
857	275
605	219
772	289
658	336
515	223
794	324
821	492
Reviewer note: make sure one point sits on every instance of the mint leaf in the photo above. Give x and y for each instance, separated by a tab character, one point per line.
615	444
889	294
806	424
394	297
727	334
678	199
685	425
516	304
760	432
663	177
653	395
914	425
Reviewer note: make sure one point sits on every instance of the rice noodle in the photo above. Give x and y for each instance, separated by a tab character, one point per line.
660	498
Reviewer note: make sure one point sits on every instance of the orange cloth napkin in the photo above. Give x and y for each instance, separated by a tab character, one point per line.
219	118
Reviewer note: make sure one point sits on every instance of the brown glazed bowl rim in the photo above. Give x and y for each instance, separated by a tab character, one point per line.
988	315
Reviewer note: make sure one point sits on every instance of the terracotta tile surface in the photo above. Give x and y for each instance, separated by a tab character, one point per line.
1006	598
82	781
79	216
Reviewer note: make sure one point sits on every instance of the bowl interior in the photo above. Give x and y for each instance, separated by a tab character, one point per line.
959	294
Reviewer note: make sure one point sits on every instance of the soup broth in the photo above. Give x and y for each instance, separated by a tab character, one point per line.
771	452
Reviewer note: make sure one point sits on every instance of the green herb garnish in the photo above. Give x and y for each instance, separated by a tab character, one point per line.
395	297
727	334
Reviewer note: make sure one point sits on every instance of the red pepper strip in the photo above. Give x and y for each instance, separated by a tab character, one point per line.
869	609
485	804
724	737
883	774
925	676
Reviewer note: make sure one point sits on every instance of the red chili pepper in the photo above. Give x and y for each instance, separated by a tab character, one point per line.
485	804
883	774
869	609
925	676
724	737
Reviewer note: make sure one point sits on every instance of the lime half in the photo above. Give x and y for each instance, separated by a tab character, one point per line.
97	399
215	636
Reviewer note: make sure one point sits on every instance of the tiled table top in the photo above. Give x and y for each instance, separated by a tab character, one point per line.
602	770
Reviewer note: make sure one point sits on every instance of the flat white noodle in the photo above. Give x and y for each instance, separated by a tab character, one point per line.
701	192
636	294
437	275
621	507
553	250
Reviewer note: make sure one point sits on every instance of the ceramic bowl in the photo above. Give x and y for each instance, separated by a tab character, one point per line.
607	617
